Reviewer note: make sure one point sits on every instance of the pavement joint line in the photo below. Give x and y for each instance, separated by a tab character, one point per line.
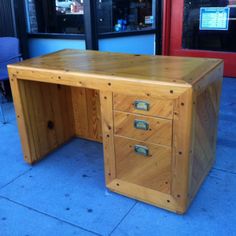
14	179
226	171
51	216
123	218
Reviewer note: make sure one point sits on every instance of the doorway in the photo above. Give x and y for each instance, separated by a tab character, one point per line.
204	29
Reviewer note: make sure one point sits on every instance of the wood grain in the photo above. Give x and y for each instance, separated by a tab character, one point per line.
94	114
87	114
176	70
23	123
106	99
41	102
144	194
158	107
162	90
90	94
205	134
182	134
159	131
153	171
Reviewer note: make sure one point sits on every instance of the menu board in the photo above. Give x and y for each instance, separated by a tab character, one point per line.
214	18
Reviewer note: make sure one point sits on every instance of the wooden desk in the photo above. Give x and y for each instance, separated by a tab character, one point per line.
158	117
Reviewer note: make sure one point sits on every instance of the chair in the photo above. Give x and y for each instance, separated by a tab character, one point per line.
9	54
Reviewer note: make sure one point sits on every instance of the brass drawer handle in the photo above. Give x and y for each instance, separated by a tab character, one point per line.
141	150
141	124
142	105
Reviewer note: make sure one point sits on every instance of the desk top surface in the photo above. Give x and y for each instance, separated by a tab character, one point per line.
183	70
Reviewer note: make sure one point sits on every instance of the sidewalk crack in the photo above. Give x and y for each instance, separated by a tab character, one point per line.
14	179
123	218
51	216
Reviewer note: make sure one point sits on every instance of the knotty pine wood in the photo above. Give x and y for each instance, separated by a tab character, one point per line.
87	113
106	99
74	80
111	83
27	147
141	193
158	107
176	70
182	131
206	112
96	70
159	132
47	111
153	171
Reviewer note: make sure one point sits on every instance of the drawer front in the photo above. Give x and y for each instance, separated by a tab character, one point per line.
143	105
152	171
143	128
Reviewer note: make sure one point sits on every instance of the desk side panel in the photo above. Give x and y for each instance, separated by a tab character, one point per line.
205	124
48	115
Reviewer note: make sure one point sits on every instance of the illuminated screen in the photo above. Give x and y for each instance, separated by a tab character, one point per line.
214	18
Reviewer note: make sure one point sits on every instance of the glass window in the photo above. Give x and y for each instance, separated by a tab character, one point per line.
125	15
210	25
56	16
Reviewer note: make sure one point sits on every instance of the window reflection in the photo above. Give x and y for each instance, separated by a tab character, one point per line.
125	15
56	16
70	7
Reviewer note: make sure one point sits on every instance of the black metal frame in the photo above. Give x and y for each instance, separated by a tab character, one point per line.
90	22
21	26
7	19
56	36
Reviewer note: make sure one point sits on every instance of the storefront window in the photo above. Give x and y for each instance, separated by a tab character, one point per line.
56	16
210	25
125	15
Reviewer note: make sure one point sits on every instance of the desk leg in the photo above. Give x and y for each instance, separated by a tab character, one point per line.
25	141
182	131
108	135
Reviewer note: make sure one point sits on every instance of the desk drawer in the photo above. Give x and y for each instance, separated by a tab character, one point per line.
152	170
143	128
145	105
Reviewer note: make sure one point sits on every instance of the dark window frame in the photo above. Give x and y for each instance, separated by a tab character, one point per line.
91	35
56	36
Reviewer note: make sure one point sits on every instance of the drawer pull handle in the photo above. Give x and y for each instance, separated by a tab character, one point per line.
142	105
141	124
141	150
